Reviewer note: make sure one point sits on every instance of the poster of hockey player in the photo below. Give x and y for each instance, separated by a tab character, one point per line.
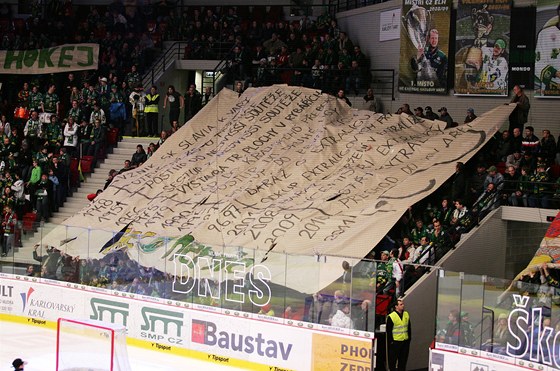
482	47
547	53
424	46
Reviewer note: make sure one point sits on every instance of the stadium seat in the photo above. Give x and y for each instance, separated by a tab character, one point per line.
113	136
382	304
86	164
501	166
19	26
555	171
5	25
29	221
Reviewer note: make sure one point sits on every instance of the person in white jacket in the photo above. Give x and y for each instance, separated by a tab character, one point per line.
71	136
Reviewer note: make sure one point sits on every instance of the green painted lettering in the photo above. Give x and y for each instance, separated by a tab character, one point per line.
63	56
45	57
13	56
89	51
30	57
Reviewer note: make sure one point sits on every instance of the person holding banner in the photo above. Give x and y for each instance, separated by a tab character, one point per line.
547	60
520	114
399	333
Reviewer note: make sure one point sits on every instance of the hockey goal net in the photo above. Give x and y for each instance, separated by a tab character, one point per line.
86	345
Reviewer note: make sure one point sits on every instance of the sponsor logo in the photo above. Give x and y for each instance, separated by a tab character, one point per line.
6	291
537	344
478	367
25	298
170	322
204	277
115	309
438	360
36	307
207	333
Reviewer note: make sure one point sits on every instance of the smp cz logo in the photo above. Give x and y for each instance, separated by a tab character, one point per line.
205	332
25	296
152	317
114	308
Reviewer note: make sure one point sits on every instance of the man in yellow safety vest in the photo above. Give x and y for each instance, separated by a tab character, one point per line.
152	110
398	337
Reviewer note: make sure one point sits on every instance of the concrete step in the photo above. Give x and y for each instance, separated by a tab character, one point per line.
72	208
57	219
116	162
90	187
122	151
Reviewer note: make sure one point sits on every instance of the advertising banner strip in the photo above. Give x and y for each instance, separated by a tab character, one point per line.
217	338
547	53
424	46
444	360
61	58
482	47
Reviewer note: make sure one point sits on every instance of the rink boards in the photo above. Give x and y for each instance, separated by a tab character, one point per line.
225	337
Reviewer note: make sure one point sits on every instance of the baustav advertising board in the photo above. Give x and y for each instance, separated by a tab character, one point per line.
234	338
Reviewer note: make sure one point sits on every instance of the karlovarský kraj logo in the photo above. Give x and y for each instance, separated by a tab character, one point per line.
33	307
25	298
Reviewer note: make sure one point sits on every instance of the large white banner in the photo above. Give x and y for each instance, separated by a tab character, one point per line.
279	170
239	339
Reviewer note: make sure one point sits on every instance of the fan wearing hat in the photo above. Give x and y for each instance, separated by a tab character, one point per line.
470	115
18	364
419	112
494	67
430	114
445	116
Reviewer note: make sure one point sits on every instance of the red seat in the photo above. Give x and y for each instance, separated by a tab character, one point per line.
20	26
501	166
382	303
555	171
74	173
5	25
113	136
29	221
86	164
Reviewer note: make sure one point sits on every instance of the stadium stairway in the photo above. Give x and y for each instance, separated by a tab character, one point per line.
92	182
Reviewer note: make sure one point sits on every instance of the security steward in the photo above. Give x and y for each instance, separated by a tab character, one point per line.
152	111
398	337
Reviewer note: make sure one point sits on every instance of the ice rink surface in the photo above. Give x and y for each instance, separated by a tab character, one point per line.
37	346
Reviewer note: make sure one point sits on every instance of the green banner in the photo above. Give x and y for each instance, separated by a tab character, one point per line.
424	46
482	47
62	58
547	53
